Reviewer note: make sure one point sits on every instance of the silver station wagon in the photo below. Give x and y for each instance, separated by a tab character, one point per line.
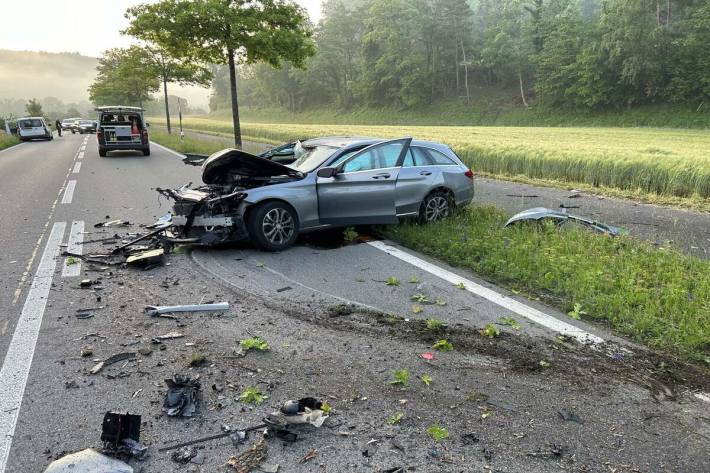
317	184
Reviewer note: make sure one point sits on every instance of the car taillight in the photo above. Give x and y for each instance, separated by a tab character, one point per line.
469	174
145	135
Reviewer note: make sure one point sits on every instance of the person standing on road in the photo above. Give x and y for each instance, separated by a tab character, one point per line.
58	124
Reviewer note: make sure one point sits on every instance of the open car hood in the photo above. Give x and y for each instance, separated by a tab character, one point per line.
223	166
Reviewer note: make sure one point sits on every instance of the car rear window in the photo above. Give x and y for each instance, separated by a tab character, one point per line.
439	158
30	123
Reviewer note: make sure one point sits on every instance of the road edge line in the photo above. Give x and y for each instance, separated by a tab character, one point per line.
530	313
169	150
18	359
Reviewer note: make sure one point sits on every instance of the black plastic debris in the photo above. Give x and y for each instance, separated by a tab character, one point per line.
181	398
120	434
570	416
469	439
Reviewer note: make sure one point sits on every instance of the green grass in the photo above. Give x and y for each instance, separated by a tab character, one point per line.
6	140
661	165
655	295
486	110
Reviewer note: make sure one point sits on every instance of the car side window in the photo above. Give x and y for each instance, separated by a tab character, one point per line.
408	159
389	155
421	157
364	162
343	157
440	158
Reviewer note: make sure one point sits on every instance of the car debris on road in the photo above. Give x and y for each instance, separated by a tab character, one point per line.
539	214
181	398
167	309
88	461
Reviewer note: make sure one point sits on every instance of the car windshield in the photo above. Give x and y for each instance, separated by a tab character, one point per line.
308	158
30	123
86	122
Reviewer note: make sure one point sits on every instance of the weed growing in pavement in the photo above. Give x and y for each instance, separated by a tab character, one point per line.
490	331
426	379
654	295
395	418
350	235
252	395
434	324
461	285
197	359
476	396
400	377
325	407
254	343
544	364
576	312
511	322
413	280
417	309
421	298
71	260
440	302
443	345
392	281
437	432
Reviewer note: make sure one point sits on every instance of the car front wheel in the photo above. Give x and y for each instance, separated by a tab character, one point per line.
435	206
273	226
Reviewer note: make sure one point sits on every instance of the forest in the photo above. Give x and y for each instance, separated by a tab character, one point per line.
578	54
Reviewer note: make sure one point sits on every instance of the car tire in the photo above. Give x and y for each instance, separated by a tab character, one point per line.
435	206
102	153
273	226
146	152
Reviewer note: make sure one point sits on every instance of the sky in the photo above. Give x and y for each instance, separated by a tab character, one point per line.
85	26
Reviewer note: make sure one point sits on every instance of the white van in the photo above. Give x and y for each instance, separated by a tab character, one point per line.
30	128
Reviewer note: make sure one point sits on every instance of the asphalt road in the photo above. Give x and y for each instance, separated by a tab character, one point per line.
336	330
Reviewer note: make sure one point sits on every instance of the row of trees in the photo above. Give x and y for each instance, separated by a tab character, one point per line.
581	53
184	38
50	107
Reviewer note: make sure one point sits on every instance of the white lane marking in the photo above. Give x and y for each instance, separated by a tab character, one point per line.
69	192
77	168
75	245
171	151
83	148
703	396
81	155
18	360
512	305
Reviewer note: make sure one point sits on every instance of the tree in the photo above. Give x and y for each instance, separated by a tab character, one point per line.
34	108
126	77
171	69
226	32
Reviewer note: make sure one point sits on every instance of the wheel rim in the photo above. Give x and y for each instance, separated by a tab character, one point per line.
278	226
437	208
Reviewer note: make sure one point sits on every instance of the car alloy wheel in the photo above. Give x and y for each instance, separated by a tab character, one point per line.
278	226
436	208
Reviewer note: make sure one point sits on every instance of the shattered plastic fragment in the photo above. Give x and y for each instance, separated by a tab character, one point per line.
147	258
156	310
88	461
538	214
111	360
181	398
427	356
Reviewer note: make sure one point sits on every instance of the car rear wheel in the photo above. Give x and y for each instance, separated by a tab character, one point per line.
435	206
273	226
146	152
102	153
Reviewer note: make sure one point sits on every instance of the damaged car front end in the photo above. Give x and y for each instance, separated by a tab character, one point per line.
214	213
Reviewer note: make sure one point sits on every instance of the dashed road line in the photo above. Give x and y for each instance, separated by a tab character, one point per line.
18	360
75	245
69	192
81	155
509	303
77	168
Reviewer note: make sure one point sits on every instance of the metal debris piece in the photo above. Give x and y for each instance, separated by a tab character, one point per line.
304	411
250	459
156	310
181	398
111	360
539	214
112	223
168	336
88	461
310	455
241	434
183	455
147	258
86	283
163	222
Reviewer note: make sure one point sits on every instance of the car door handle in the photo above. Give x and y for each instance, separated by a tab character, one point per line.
384	175
425	173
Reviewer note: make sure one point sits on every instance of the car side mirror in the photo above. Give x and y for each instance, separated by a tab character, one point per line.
327	172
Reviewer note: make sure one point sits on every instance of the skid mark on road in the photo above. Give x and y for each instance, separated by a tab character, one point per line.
18	360
75	245
512	305
69	192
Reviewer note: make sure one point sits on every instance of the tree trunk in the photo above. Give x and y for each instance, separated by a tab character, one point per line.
235	101
522	90
167	107
458	83
658	13
465	72
668	14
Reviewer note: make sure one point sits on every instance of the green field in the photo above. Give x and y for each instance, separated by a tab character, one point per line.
7	141
662	165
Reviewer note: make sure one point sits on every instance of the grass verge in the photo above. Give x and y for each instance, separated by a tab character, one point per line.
6	141
194	145
656	296
670	164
